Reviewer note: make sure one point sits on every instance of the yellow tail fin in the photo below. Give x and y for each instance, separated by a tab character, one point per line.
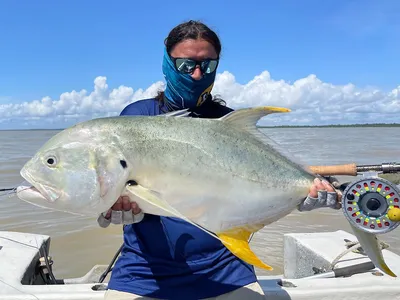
236	241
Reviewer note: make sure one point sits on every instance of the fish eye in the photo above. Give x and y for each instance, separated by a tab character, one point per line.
51	161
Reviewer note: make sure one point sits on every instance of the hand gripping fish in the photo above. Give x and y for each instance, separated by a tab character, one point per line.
222	175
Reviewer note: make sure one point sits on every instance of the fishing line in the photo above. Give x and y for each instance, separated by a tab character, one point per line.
26	293
11	240
6	283
13	190
8	193
9	189
40	249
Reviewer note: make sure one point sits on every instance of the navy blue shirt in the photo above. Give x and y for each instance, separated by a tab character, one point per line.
168	258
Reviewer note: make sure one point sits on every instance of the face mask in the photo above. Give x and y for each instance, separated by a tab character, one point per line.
182	91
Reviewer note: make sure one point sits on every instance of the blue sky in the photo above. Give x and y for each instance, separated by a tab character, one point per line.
52	47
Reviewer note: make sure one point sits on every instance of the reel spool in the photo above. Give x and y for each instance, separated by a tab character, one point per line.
366	204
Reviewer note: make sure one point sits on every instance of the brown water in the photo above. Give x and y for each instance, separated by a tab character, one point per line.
78	243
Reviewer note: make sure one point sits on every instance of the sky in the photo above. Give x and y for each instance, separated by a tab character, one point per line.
330	62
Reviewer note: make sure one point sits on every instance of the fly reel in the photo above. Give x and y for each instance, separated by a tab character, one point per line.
367	204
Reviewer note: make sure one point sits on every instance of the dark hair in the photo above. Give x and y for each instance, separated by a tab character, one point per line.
192	30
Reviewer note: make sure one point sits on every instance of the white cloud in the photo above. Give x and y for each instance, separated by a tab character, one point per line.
311	100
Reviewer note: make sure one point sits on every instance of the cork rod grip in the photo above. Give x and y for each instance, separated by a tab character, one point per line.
347	169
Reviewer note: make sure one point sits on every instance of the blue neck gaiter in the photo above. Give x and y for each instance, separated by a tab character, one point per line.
182	91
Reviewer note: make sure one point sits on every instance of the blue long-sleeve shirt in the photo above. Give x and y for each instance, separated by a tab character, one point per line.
168	258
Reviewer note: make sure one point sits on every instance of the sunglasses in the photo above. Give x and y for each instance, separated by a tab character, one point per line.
188	65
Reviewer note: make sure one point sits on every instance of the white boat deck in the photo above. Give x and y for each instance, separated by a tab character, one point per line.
303	254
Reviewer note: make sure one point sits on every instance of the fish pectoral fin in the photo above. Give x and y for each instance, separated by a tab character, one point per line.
236	240
163	207
371	246
150	202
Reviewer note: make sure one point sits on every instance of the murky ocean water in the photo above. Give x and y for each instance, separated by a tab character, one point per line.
79	243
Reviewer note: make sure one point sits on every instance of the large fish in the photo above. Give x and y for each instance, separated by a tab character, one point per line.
222	175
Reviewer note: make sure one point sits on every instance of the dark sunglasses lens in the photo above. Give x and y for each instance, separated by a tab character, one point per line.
209	66
185	65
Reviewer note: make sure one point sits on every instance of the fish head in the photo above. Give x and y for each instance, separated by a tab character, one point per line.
75	173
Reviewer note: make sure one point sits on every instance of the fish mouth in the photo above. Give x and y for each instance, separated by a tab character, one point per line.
30	192
37	190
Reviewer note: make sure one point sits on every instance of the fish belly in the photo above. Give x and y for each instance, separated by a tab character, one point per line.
219	200
215	175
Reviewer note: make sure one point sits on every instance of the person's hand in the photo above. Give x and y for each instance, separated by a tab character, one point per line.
321	194
122	212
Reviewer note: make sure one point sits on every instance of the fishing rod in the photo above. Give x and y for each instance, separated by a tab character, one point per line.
353	169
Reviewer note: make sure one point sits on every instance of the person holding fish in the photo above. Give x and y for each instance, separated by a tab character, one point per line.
165	257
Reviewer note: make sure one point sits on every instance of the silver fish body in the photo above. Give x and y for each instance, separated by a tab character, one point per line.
221	175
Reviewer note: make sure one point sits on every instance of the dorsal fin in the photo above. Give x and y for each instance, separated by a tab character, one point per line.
246	119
